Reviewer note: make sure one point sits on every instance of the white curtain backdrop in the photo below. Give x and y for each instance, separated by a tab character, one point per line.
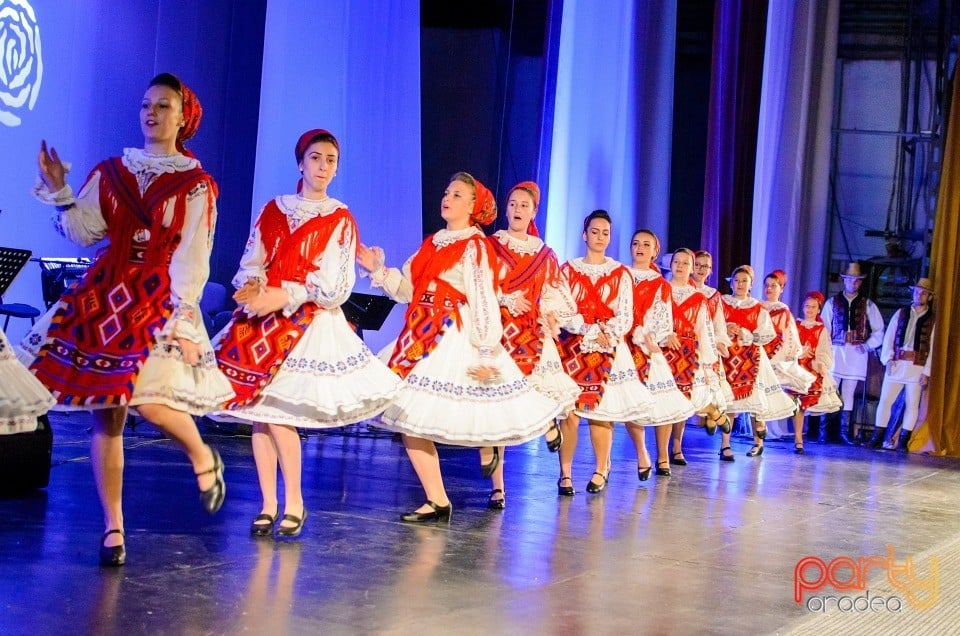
612	121
790	213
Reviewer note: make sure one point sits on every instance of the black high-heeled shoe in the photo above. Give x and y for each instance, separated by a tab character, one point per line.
678	459
593	487
565	491
487	469
553	445
497	503
439	513
663	472
264	529
723	455
755	451
289	532
798	449
113	556
212	497
643	474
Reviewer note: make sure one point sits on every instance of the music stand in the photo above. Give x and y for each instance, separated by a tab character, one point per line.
367	311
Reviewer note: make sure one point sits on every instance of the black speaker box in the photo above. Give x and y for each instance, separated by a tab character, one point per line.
25	459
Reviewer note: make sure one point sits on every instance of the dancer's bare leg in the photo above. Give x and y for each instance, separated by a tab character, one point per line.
426	463
106	456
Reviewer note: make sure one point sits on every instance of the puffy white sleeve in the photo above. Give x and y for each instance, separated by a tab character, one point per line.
396	283
330	283
253	262
706	338
622	307
791	348
190	265
719	321
78	218
556	297
486	328
826	315
824	353
876	326
765	331
890	337
659	319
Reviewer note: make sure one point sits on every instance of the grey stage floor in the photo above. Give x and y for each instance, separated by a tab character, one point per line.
711	549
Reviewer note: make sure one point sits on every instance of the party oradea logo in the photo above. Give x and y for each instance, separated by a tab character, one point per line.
812	577
21	65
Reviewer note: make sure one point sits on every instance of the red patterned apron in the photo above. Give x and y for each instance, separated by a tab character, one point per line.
684	363
589	370
781	318
523	335
810	337
253	348
103	330
645	293
742	365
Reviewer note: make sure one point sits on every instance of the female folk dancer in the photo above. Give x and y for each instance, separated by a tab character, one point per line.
289	352
595	353
130	332
816	356
652	332
755	387
532	293
459	384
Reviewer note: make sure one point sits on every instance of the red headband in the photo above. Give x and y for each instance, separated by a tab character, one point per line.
484	205
533	190
308	137
780	276
817	296
192	113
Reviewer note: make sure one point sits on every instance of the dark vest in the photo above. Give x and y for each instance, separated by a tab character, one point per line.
922	333
854	320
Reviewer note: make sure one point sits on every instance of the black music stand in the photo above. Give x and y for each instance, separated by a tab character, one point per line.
12	261
367	311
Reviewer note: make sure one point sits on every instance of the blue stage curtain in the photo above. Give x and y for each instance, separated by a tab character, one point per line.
612	118
354	69
790	216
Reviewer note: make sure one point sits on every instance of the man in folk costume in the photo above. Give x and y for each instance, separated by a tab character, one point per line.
906	354
855	326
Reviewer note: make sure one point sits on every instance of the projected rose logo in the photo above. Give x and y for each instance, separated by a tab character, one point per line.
21	65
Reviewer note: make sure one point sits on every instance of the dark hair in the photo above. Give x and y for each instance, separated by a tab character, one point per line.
700	253
683	250
169	80
301	148
651	233
596	214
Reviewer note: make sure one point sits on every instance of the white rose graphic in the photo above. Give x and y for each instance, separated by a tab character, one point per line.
21	65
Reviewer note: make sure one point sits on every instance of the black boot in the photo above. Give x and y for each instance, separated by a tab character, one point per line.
822	431
904	441
876	440
845	427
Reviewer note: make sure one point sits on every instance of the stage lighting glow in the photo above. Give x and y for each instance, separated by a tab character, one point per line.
21	64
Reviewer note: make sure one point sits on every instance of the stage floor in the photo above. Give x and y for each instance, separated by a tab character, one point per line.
711	549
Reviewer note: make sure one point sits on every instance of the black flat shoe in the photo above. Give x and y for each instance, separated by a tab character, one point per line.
439	513
723	455
497	503
755	451
565	491
593	487
113	556
289	532
677	459
553	445
643	474
487	469
212	497
663	472
798	449
260	529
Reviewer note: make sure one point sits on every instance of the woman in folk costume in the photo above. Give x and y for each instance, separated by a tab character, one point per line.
694	353
23	398
460	386
532	294
653	331
289	352
595	353
130	332
816	356
702	269
784	350
756	389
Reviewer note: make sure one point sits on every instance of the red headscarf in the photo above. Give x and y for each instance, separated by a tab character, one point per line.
817	296
533	190
192	113
780	276
306	140
484	205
